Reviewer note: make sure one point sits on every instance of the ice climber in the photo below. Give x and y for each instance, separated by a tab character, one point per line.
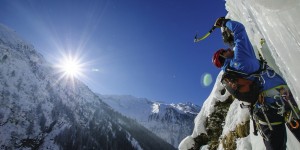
251	80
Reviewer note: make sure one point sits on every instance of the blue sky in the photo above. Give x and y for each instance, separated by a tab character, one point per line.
142	48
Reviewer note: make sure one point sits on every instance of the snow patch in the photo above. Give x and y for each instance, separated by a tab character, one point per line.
155	108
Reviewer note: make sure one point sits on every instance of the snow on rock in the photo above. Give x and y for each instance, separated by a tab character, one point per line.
208	106
186	143
277	22
207	109
243	144
171	122
40	110
155	108
236	115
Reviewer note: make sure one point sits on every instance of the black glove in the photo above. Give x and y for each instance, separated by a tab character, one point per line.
220	22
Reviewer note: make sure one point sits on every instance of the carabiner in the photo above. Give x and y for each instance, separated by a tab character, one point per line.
296	124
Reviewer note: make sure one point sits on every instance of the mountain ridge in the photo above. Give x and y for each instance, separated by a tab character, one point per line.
40	110
171	122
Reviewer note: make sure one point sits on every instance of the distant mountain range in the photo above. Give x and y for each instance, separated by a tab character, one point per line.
37	111
171	122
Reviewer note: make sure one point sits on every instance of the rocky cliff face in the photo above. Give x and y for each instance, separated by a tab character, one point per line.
214	128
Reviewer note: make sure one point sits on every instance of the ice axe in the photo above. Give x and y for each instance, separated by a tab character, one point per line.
197	39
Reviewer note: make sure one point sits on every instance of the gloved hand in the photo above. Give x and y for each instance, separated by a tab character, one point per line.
220	22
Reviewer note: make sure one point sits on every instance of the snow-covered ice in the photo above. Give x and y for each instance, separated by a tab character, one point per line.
277	22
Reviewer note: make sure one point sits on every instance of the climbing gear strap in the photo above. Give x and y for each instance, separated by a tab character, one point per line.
266	117
273	123
258	127
282	95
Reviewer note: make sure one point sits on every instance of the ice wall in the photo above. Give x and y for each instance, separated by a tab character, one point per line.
277	21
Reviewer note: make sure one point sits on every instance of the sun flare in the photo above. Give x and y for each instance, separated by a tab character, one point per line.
70	67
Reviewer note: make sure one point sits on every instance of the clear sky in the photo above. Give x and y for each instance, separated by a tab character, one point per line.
142	48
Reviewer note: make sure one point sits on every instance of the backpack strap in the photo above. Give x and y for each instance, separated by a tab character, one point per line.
273	91
263	67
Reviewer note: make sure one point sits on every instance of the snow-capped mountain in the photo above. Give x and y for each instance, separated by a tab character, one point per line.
171	122
277	22
40	110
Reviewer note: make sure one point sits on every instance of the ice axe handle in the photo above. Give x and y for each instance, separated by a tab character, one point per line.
196	39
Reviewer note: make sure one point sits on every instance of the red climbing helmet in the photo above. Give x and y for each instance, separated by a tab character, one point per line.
217	60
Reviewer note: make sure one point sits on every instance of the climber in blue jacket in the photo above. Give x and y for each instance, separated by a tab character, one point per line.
252	80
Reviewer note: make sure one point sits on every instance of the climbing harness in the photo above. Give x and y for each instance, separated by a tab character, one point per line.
257	127
275	100
263	109
282	95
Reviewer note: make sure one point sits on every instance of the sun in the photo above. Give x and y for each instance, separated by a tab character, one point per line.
70	67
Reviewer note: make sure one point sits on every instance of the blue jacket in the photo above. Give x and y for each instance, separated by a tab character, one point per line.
244	59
